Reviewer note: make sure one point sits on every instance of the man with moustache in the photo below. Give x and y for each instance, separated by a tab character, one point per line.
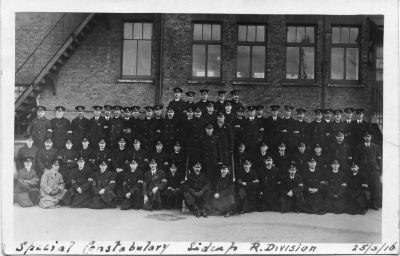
96	127
28	150
272	124
46	156
40	127
59	127
79	127
178	104
117	127
268	177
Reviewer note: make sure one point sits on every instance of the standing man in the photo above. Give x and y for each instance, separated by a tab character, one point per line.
107	123
126	130
286	127
211	153
117	127
210	116
40	127
220	104
46	156
272	124
238	126
148	129
96	127
79	127
252	131
158	122
347	126
299	132
171	132
328	126
190	103
224	133
235	100
316	130
261	119
360	126
60	126
195	139
136	124
203	103
337	124
178	104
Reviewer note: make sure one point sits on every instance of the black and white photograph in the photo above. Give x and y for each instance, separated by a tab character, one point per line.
175	128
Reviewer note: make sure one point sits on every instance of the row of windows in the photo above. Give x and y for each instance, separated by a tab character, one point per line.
251	52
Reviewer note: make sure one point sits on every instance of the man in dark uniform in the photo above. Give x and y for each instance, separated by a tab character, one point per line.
195	138
252	131
138	154
328	127
117	127
359	127
87	153
119	161
46	156
229	115
158	122
299	131
340	151
336	185
220	103
337	124
248	188
132	187
178	158
224	133
59	126
269	178
190	103
316	130
223	199
127	130
103	188
178	104
171	130
79	194
173	194
40	128
241	154
210	152
79	127
314	185
260	117
320	157
203	103
148	129
67	158
368	155
96	128
28	150
154	184
107	124
136	124
186	128
357	191
292	187
262	154
348	125
286	128
282	158
238	126
210	116
235	100
300	157
271	126
102	154
160	156
197	191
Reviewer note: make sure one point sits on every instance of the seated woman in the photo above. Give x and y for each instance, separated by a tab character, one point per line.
132	188
103	188
52	187
26	192
223	198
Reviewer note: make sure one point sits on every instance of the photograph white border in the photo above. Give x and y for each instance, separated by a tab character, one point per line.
388	8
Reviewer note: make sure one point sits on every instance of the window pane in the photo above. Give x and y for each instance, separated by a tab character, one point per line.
129	58
197	32
216	32
291	34
292	62
379	63
258	62
147	30
199	60
301	34
128	30
260	34
242	33
337	63
354	35
206	31
379	52
307	63
336	35
352	64
243	61
214	60
344	37
137	30
144	58
251	33
310	34
379	75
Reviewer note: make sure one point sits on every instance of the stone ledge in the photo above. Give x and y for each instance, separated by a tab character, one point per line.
142	81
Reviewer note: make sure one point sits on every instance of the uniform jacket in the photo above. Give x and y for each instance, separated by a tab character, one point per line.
79	128
151	181
133	181
225	136
197	183
368	157
67	158
60	127
336	183
46	158
296	184
25	152
82	178
39	129
179	107
104	181
24	175
96	130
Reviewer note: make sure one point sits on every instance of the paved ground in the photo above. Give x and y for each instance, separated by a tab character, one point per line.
113	224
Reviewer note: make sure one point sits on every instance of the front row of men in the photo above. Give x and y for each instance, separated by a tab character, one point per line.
311	190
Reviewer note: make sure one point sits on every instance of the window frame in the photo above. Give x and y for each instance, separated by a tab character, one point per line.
206	43
345	47
251	45
375	59
128	77
300	45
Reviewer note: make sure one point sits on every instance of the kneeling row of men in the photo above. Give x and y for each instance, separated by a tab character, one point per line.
311	190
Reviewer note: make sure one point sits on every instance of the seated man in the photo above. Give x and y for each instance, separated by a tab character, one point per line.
173	195
248	188
336	185
358	194
132	188
154	183
197	191
79	195
314	185
52	187
291	198
26	192
269	183
223	200
102	188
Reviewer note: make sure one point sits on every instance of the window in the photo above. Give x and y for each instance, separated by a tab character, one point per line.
300	52
206	52
345	53
379	63
250	61
136	60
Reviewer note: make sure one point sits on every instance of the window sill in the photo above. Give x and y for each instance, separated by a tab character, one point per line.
311	83
217	82
142	81
346	85
243	82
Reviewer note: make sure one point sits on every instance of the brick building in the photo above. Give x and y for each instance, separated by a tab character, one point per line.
308	61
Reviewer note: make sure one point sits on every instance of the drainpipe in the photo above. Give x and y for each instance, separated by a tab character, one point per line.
323	62
159	76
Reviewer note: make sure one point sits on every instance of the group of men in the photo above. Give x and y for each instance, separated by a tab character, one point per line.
209	155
